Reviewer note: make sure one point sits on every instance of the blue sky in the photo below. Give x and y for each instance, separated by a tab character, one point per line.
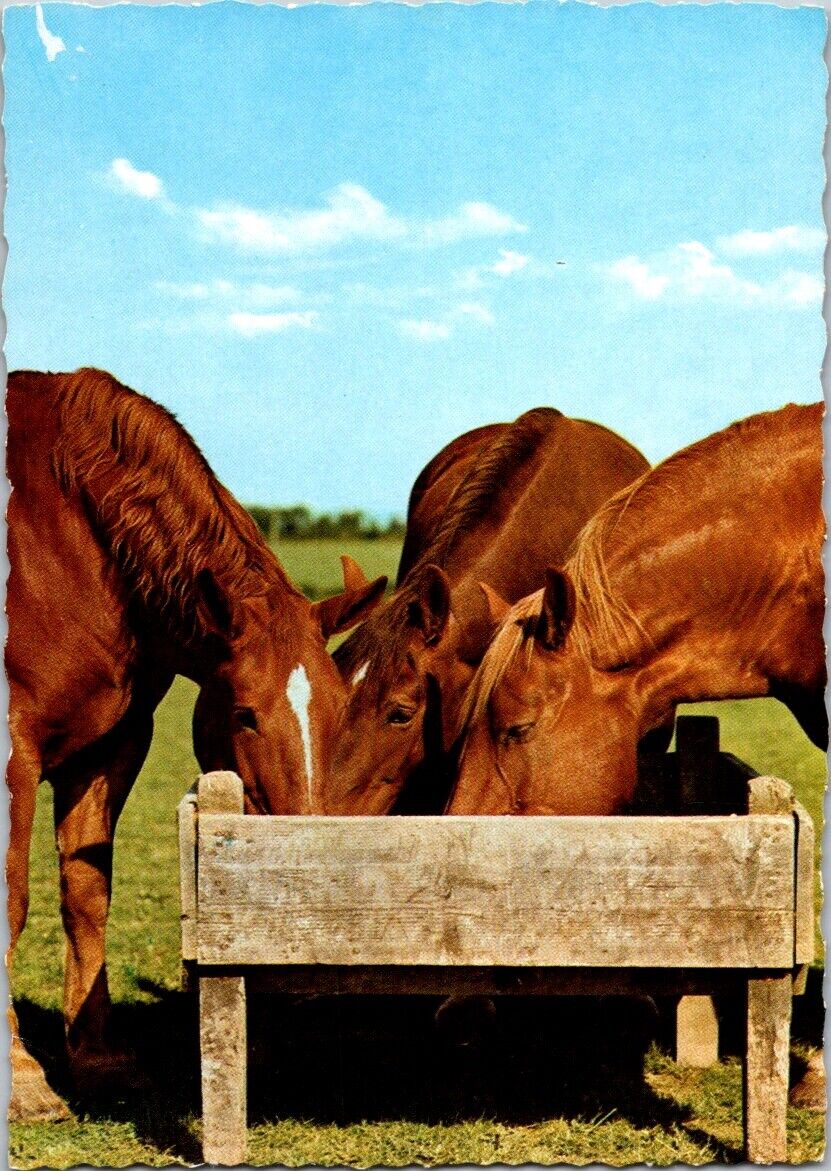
331	239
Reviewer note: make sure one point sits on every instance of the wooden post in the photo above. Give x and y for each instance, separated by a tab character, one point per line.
769	795
768	1025
766	1069
222	1028
697	745
223	1044
696	1037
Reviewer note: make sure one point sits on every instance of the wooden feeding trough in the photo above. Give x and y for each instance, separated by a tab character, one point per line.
671	903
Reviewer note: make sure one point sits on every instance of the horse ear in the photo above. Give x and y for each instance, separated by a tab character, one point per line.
357	600
431	609
559	603
497	606
354	577
479	614
214	602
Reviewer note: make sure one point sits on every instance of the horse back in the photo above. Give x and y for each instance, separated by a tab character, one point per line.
538	506
435	487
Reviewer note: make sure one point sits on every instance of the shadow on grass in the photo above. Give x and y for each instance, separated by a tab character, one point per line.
164	1037
350	1059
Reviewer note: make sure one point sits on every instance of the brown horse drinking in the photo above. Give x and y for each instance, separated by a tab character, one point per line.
702	581
529	488
130	563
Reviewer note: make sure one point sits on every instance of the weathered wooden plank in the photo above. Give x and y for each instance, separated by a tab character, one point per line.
805	935
222	1036
527	891
696	1024
712	938
766	1069
186	814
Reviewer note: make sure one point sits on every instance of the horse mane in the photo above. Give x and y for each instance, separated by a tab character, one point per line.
606	628
154	501
381	639
473	497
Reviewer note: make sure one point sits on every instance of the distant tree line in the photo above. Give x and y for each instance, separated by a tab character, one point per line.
299	522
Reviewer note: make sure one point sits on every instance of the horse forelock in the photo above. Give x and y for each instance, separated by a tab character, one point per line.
158	507
514	633
381	645
605	628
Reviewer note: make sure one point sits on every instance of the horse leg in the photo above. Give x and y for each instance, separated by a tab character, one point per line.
31	1100
807	707
90	793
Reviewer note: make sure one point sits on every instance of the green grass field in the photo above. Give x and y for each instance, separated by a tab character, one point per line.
341	1082
315	565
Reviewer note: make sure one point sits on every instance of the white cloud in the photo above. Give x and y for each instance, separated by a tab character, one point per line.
124	176
799	288
440	330
425	331
470	221
350	213
254	295
52	44
692	271
509	262
639	276
793	238
255	324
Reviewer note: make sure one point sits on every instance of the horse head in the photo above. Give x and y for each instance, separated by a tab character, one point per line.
270	705
407	664
544	731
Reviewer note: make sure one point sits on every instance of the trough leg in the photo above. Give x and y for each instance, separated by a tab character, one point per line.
696	1032
222	1037
766	1068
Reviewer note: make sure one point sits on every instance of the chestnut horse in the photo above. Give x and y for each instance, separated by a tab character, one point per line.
702	581
131	563
529	488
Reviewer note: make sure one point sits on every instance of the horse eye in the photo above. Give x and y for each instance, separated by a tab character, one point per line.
399	715
245	718
516	734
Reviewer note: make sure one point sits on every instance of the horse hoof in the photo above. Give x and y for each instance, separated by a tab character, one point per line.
33	1099
809	1093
